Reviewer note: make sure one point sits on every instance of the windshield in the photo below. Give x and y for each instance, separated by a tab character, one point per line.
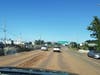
55	35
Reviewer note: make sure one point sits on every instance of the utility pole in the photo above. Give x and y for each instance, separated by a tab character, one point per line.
40	40
4	31
20	36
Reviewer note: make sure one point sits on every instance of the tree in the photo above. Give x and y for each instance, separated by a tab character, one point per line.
73	44
39	42
12	42
95	30
30	43
90	41
49	43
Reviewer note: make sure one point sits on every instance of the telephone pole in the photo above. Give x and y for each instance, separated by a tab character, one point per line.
5	31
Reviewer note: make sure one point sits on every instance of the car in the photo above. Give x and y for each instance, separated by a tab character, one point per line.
44	48
57	49
94	54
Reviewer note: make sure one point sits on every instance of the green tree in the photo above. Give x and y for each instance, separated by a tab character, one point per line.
39	42
49	43
95	30
73	44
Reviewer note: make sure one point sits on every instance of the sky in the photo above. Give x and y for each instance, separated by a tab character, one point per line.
49	20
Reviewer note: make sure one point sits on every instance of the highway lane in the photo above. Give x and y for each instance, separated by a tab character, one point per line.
68	60
84	57
82	64
7	60
71	61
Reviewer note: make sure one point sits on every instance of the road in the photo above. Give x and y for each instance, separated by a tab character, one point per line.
68	60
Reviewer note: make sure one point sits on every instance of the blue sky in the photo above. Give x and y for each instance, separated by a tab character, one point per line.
52	20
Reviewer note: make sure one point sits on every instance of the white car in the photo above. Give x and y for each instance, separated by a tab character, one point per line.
44	48
56	49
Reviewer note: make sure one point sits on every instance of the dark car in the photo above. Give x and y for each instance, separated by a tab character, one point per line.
94	54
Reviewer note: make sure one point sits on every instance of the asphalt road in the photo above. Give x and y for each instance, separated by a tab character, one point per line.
68	60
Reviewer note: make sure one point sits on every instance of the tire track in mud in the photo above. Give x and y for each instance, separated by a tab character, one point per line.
7	57
33	60
22	60
46	62
62	64
6	60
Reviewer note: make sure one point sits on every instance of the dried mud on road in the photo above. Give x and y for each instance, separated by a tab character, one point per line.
64	61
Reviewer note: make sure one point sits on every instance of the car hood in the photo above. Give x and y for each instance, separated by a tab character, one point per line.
29	71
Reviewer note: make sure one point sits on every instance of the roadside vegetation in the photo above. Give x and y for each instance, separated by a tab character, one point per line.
73	45
94	28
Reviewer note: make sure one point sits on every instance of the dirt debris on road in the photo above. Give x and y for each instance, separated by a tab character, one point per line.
64	61
34	59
